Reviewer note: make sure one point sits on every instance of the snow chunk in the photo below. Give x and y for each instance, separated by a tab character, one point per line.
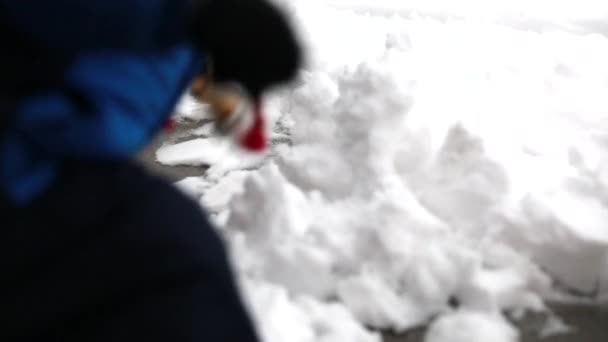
470	326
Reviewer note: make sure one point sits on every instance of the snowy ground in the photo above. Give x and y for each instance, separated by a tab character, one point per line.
438	162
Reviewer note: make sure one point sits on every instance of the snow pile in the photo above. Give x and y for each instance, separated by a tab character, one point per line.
303	319
471	327
423	167
221	154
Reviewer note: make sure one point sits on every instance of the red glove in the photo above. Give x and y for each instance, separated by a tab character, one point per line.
255	138
170	125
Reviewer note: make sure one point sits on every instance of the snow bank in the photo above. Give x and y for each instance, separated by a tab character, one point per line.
471	327
220	154
302	319
422	162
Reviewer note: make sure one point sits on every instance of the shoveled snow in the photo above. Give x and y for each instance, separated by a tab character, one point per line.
219	153
432	152
471	327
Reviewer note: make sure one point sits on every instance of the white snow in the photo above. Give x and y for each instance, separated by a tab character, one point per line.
438	151
302	319
471	327
190	109
218	152
555	326
188	152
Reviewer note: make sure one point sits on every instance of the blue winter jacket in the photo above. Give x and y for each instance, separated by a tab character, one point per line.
122	66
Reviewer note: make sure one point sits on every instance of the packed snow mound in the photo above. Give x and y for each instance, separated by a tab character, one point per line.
302	319
419	162
471	327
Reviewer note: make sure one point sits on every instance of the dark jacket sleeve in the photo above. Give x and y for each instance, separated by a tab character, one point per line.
72	26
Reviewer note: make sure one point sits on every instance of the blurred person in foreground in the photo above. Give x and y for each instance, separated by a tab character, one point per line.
92	247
